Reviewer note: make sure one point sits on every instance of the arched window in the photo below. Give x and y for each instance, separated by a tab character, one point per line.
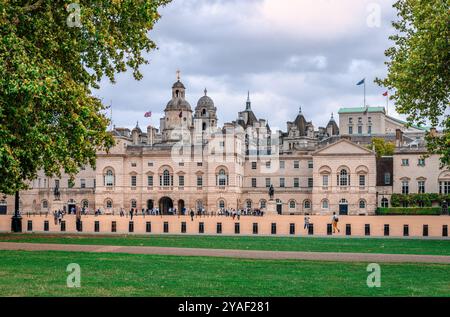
222	204
307	204
362	204
343	178
109	178
109	204
203	112
85	204
262	204
292	204
325	204
199	204
166	178
222	178
249	204
133	203
343	202
384	203
44	204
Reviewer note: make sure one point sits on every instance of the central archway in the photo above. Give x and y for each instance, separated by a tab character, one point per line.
165	204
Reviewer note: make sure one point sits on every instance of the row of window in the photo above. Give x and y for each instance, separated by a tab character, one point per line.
360	130
296	164
444	187
70	183
420	162
360	120
166	179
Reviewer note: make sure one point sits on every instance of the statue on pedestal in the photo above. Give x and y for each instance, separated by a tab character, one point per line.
56	193
271	192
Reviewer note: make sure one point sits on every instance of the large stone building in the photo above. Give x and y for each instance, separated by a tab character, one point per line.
190	162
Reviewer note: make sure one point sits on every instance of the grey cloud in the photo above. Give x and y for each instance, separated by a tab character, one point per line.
215	46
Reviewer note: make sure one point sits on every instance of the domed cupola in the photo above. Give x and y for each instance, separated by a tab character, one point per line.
206	112
178	102
178	113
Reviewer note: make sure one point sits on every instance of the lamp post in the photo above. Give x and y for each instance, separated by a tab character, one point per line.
16	223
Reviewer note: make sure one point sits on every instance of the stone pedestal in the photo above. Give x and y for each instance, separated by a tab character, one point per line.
272	207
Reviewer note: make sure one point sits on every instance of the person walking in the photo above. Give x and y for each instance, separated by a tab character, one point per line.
131	213
307	222
192	215
334	221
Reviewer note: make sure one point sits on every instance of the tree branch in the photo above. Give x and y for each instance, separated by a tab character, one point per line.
34	6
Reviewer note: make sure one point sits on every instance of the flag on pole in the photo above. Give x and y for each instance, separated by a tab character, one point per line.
148	114
361	82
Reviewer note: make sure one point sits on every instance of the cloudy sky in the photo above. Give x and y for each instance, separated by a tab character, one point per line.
288	53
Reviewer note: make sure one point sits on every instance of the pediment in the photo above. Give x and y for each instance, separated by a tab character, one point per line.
344	147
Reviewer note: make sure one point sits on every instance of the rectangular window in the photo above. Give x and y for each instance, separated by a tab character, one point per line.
310	164
405	187
199	164
148	227
274	228
150	164
237	228
183	227
292	228
133	164
310	182
254	182
166	227
181	164
387	178
282	183
70	183
362	180
150	181
444	188
360	129
255	228
421	187
350	120
268	182
367	229
254	165
199	181
296	164
421	162
133	181
83	183
296	182
56	183
268	164
325	181
405	162
369	129
219	228
201	227
350	130
181	180
282	164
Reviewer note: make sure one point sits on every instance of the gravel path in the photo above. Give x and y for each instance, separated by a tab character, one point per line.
245	254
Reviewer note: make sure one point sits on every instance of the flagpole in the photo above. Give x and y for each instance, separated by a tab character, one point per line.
365	93
387	104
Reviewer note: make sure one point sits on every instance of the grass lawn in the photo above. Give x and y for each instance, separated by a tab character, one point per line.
358	245
25	273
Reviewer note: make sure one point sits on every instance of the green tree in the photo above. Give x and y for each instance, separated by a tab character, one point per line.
418	69
53	53
381	147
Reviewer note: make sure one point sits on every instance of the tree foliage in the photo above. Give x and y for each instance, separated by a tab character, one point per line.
382	147
418	68
49	118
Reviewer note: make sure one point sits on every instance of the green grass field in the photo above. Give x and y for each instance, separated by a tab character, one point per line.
44	274
372	245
